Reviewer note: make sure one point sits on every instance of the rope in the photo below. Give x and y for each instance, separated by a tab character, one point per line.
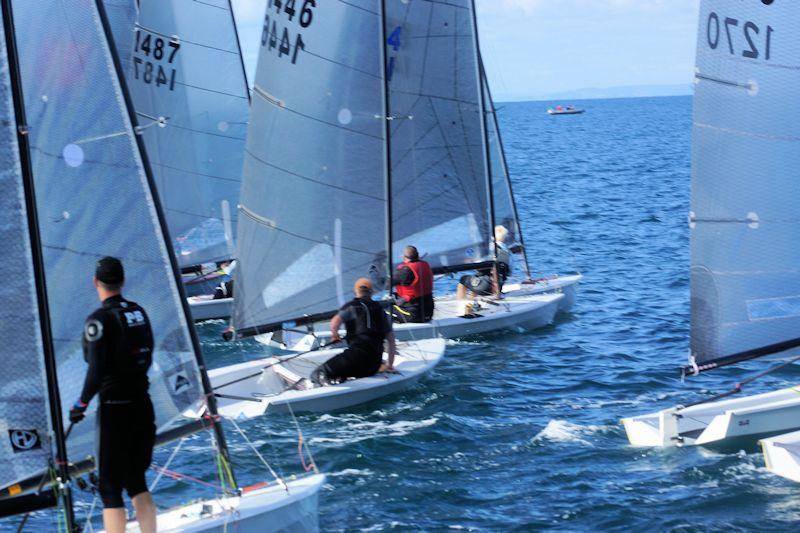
177	476
739	386
258	454
166	465
279	362
301	444
88	525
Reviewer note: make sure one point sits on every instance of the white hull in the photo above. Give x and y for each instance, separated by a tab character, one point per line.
267	388
782	455
206	308
263	510
729	424
525	312
568	285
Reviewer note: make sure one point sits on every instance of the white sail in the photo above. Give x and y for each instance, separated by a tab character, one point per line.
122	19
190	94
25	428
313	201
94	199
745	261
438	152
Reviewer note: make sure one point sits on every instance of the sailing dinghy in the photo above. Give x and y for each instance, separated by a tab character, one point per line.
782	455
450	185
450	321
314	208
442	187
744	232
194	122
57	145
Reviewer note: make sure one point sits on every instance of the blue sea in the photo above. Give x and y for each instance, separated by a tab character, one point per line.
520	431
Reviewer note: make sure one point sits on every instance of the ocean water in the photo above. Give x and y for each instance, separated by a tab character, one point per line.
520	431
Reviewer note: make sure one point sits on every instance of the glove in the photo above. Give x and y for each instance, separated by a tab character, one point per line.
77	413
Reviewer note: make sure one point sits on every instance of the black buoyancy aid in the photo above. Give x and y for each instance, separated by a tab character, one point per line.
131	352
369	324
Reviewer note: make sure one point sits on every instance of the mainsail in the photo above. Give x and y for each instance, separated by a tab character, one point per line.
122	19
94	199
313	204
505	208
441	200
745	228
25	427
190	92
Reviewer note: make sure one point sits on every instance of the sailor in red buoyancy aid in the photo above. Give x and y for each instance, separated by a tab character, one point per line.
413	281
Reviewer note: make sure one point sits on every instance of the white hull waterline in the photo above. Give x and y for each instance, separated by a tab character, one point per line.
449	321
782	455
729	424
247	390
568	285
270	509
207	308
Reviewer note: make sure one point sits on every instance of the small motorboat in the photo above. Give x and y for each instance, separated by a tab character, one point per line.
561	110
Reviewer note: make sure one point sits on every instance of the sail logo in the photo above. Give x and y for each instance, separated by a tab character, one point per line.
181	383
23	440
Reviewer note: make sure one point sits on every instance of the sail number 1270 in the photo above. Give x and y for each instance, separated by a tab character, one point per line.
728	33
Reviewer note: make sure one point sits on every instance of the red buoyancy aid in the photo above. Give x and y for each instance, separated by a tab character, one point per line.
422	284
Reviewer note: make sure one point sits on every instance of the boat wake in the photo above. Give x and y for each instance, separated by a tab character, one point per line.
357	431
564	431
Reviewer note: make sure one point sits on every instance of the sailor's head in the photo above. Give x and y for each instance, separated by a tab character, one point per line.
500	234
109	274
410	254
362	288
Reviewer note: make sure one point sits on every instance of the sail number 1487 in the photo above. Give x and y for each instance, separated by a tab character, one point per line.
739	37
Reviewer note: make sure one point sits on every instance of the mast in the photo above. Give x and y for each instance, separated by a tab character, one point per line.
485	136
210	398
54	396
387	151
239	48
502	150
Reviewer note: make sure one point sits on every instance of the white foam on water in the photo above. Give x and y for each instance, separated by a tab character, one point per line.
350	472
564	431
359	431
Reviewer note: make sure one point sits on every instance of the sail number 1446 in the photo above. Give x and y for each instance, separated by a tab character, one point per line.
276	35
739	37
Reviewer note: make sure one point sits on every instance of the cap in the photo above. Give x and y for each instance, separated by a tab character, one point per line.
109	270
363	284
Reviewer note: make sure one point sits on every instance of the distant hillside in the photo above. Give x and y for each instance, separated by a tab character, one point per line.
593	93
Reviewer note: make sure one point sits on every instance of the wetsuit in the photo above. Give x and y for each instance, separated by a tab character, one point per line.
481	283
414	287
367	324
224	290
118	346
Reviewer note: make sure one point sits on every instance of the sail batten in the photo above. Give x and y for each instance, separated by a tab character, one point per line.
743	221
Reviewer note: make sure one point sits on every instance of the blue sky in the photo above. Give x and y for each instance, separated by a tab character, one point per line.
540	47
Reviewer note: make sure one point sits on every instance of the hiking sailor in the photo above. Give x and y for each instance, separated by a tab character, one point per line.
489	281
367	326
413	281
118	346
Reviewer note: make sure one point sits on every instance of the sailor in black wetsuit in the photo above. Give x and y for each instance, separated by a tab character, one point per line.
118	346
367	326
